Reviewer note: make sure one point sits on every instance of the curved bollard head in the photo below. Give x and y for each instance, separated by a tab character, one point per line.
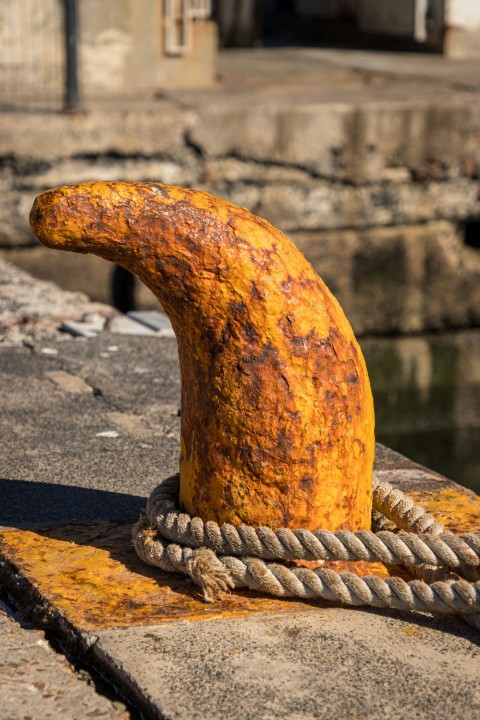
277	411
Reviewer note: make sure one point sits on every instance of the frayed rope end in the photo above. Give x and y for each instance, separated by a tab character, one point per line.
208	573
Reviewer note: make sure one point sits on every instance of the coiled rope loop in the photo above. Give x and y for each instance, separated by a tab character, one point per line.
219	558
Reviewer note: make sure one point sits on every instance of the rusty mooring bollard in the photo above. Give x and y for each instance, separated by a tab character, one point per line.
277	411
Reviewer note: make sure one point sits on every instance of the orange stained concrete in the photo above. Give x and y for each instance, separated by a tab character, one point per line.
91	574
458	511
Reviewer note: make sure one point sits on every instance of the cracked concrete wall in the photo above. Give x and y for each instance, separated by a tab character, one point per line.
376	197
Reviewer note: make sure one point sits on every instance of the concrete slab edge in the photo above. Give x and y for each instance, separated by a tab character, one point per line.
76	644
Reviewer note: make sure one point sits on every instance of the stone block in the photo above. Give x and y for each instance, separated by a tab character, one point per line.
38	682
306	666
155	320
87	273
229	170
401	279
71	271
350	142
25	178
123	325
114	130
14	210
324	205
273	134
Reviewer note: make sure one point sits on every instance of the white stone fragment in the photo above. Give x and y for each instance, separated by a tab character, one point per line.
124	325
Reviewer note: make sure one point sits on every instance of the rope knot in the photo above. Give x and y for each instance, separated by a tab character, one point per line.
207	572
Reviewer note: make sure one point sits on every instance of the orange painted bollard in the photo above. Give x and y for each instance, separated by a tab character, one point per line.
277	411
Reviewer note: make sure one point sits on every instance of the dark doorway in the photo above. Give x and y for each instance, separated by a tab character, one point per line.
472	234
123	289
255	23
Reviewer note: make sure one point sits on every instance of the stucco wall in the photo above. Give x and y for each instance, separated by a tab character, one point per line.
122	49
463	13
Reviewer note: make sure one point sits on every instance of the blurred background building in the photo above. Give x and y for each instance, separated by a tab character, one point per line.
148	45
352	125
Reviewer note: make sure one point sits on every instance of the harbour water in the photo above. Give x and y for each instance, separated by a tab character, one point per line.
427	399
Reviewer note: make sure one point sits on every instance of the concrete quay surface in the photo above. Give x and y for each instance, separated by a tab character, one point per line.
38	683
89	427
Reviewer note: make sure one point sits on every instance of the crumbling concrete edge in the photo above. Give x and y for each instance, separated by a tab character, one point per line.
76	644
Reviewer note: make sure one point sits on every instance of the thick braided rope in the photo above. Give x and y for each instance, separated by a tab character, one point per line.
217	574
391	548
401	510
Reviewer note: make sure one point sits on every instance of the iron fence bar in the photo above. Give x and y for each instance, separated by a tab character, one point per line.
72	95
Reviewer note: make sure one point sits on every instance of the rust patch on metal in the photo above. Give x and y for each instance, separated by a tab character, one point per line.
261	341
458	510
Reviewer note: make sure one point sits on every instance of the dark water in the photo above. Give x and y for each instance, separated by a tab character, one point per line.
453	453
426	391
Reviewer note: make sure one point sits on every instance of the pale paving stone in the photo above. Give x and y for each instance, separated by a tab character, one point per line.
38	684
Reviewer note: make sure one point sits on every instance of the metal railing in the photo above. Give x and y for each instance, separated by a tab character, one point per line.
71	94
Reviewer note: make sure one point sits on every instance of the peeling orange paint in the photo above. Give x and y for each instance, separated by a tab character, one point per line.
458	511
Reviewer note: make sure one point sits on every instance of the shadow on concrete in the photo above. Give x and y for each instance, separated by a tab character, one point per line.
30	504
448	624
